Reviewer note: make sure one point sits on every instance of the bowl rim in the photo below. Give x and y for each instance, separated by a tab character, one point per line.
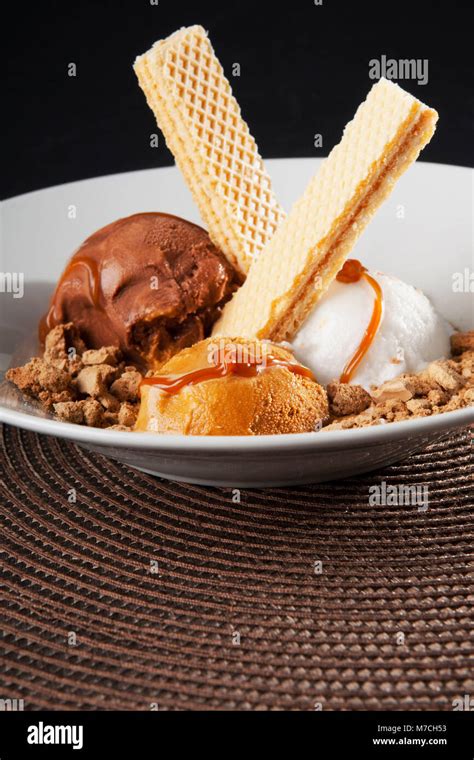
172	168
331	440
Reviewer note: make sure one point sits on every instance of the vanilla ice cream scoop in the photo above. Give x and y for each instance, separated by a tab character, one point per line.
411	333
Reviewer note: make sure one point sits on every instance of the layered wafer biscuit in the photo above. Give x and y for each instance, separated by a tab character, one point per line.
192	100
309	248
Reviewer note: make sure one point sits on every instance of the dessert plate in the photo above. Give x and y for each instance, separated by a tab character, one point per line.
422	234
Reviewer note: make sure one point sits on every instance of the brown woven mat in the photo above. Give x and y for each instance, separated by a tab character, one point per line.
177	596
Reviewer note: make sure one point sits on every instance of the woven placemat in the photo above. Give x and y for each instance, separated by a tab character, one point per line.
122	591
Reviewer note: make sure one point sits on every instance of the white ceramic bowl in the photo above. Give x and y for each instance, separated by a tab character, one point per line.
422	234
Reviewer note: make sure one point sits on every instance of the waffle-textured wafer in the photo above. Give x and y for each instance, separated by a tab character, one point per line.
386	135
186	88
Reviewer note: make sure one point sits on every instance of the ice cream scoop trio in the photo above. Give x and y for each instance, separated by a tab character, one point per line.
181	302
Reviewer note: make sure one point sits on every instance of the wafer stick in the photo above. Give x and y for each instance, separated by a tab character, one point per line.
308	250
186	88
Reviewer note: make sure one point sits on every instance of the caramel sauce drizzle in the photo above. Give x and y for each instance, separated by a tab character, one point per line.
172	384
51	318
353	271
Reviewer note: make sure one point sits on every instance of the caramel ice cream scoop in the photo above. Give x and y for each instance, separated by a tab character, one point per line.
150	284
232	387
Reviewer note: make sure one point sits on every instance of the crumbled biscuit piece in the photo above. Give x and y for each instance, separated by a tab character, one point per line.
126	388
120	428
42	381
108	355
53	379
438	397
109	402
392	410
93	413
400	389
466	363
347	399
419	407
445	375
37	375
109	419
461	342
467	395
60	339
48	398
128	414
419	385
64	348
367	418
94	381
70	411
455	402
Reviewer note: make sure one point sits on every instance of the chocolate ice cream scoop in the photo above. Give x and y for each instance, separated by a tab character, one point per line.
151	284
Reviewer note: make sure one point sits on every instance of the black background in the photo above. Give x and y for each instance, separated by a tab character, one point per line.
328	734
304	70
